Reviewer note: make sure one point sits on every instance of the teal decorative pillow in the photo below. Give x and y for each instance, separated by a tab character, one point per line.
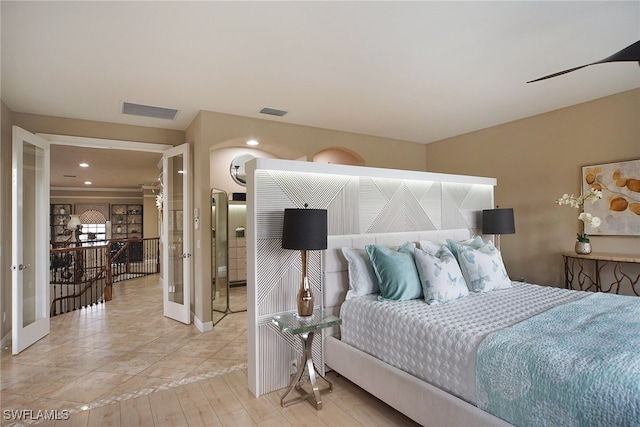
362	278
396	272
440	275
483	268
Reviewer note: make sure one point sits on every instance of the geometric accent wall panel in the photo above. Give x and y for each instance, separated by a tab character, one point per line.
390	205
279	271
343	211
429	194
462	204
279	190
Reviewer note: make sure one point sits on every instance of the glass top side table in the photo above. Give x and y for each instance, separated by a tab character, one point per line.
305	328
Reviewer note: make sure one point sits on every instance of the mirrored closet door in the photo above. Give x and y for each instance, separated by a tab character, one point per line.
228	256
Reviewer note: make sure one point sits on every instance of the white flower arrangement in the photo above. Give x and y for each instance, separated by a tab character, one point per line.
577	202
159	201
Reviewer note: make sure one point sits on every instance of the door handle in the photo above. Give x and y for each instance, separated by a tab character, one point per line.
186	255
20	267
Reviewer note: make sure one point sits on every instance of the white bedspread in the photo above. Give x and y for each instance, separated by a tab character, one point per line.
438	343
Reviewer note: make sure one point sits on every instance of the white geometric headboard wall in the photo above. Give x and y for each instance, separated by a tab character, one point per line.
358	200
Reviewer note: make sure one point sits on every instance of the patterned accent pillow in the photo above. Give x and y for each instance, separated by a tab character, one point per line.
429	246
396	272
475	243
440	275
362	278
483	268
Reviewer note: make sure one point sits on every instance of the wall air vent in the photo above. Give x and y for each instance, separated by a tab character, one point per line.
273	111
148	111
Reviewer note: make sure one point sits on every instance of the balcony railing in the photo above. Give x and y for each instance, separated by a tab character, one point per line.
82	275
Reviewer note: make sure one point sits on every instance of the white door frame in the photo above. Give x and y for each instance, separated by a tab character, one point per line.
30	251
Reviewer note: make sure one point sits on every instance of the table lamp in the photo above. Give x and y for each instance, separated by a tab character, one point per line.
498	221
304	230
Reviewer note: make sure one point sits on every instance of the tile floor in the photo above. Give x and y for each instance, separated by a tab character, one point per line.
124	364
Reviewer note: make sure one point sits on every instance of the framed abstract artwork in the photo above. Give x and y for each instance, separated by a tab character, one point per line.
619	208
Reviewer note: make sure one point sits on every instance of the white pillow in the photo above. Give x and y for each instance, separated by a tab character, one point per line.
440	275
483	268
362	278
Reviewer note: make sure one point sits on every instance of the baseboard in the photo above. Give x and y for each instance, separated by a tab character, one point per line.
202	327
5	340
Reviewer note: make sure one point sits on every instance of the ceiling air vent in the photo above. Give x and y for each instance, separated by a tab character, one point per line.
148	111
273	111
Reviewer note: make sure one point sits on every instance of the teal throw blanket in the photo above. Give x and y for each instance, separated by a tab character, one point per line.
577	364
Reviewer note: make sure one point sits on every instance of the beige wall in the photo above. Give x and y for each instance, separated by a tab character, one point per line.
35	123
214	130
535	161
150	220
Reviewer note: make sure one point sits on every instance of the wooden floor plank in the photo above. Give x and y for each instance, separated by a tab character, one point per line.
79	419
202	416
166	409
239	418
136	412
220	396
259	409
105	416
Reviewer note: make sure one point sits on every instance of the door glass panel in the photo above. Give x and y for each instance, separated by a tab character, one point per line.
32	158
175	244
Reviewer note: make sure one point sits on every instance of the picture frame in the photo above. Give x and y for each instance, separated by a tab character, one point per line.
619	207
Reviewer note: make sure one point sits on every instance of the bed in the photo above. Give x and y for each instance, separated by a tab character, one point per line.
441	363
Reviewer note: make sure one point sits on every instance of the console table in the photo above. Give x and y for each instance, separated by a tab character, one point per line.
578	277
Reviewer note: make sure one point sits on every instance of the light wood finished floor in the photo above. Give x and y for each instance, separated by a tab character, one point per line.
124	364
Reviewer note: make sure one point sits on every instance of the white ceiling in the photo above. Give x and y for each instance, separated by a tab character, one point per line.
419	71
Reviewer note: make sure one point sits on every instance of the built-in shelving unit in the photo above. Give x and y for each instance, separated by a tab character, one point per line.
126	221
60	214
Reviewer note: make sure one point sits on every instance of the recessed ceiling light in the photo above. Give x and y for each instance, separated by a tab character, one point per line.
87	183
84	165
252	142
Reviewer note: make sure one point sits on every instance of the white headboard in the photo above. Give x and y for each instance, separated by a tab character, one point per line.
335	275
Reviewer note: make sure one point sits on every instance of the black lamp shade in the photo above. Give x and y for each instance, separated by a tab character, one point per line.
304	229
498	221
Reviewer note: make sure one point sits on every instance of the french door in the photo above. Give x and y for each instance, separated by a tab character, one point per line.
176	226
30	239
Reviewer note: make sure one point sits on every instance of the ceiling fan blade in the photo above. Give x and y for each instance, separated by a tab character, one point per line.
559	73
629	53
